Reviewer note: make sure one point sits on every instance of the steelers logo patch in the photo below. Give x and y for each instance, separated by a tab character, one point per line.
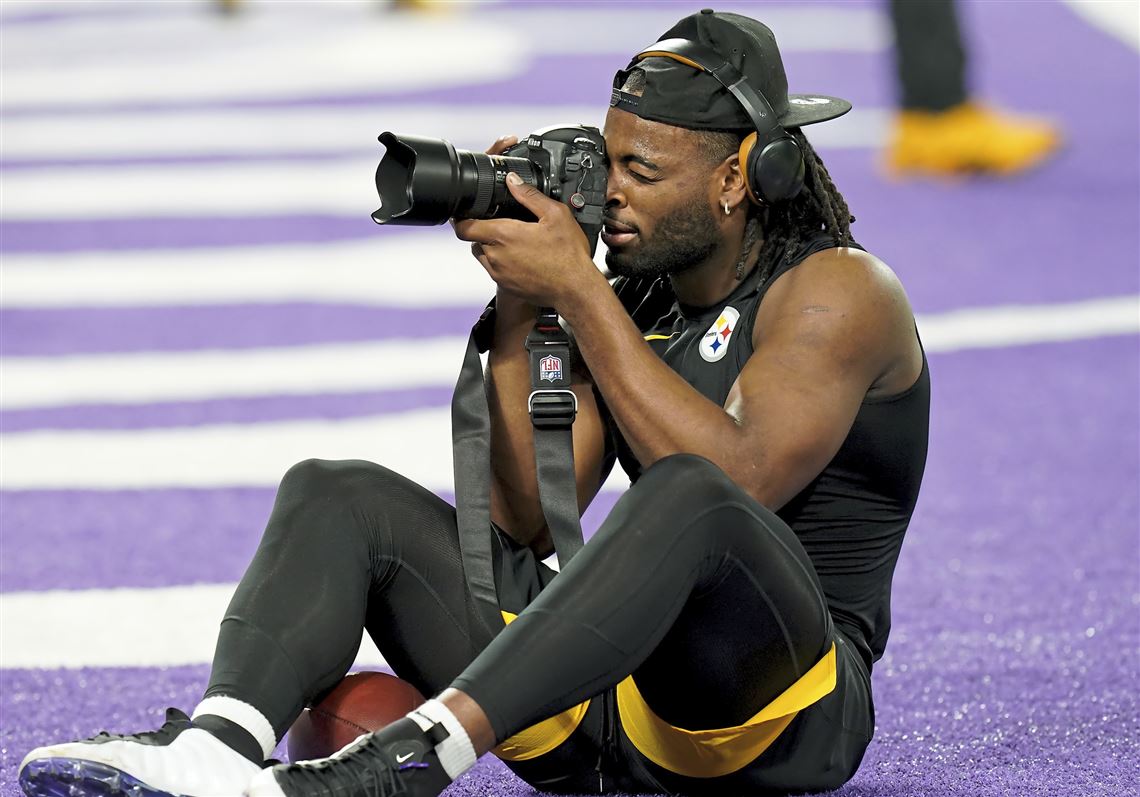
716	341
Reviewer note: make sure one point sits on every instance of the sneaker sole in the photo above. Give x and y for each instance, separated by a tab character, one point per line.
65	777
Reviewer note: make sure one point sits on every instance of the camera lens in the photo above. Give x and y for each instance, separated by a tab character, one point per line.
426	181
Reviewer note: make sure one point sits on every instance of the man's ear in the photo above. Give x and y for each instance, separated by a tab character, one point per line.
730	181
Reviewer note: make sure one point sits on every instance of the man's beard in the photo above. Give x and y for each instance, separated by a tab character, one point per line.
682	239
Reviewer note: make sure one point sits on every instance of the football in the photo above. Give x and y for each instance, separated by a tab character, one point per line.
361	703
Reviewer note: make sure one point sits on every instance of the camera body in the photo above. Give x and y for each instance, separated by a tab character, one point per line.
572	161
425	181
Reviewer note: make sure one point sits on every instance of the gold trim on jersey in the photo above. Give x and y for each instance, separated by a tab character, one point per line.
712	753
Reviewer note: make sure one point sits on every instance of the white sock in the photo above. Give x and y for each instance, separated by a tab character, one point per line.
456	753
243	714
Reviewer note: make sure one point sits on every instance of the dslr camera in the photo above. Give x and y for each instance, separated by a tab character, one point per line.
426	181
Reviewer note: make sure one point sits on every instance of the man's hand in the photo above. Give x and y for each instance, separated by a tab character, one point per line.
546	262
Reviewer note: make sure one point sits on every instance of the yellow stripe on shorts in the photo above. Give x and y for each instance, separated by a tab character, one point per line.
712	753
543	737
695	754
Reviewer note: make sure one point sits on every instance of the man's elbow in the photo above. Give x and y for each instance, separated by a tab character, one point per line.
774	481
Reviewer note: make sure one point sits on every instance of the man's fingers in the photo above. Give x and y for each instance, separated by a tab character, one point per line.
472	230
530	197
502	144
480	255
484	231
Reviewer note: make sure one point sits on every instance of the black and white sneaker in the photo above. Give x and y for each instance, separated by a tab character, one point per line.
396	761
177	760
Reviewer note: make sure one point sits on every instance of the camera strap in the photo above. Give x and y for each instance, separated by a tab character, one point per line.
471	460
553	407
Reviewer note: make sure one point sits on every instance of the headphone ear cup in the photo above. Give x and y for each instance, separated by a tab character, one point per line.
747	156
777	171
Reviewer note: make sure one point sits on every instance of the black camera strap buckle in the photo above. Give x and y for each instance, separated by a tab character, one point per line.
552	409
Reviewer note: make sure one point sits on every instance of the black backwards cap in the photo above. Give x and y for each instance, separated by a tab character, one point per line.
680	95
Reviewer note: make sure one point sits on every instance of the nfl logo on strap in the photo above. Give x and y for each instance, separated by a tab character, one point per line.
550	369
714	345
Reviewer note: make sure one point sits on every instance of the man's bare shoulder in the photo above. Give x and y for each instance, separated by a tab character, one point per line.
851	277
851	299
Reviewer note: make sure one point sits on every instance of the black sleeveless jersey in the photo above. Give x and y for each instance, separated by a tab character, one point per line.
852	517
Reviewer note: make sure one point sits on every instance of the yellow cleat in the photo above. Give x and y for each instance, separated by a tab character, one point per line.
430	6
968	139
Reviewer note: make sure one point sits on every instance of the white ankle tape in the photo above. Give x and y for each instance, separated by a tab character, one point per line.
243	714
456	753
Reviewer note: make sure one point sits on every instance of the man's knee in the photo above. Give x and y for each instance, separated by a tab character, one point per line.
687	481
322	497
675	496
337	479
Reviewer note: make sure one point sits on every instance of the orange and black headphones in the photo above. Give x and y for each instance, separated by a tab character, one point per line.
770	159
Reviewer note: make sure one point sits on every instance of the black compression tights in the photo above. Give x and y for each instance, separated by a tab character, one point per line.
706	597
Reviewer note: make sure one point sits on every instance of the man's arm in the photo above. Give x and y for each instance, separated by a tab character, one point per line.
830	331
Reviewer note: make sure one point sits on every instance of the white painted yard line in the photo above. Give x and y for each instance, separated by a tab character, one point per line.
1119	18
416	444
394	268
166	627
36	382
266	132
1014	325
195	375
201	57
344	186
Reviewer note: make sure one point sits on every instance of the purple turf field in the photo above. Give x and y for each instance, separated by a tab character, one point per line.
1015	652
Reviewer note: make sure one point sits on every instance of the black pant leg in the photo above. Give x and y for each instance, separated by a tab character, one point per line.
348	544
685	562
930	56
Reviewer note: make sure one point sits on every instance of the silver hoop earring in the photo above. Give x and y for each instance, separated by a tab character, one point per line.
726	210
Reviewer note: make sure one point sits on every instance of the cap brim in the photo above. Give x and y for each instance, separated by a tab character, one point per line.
807	109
